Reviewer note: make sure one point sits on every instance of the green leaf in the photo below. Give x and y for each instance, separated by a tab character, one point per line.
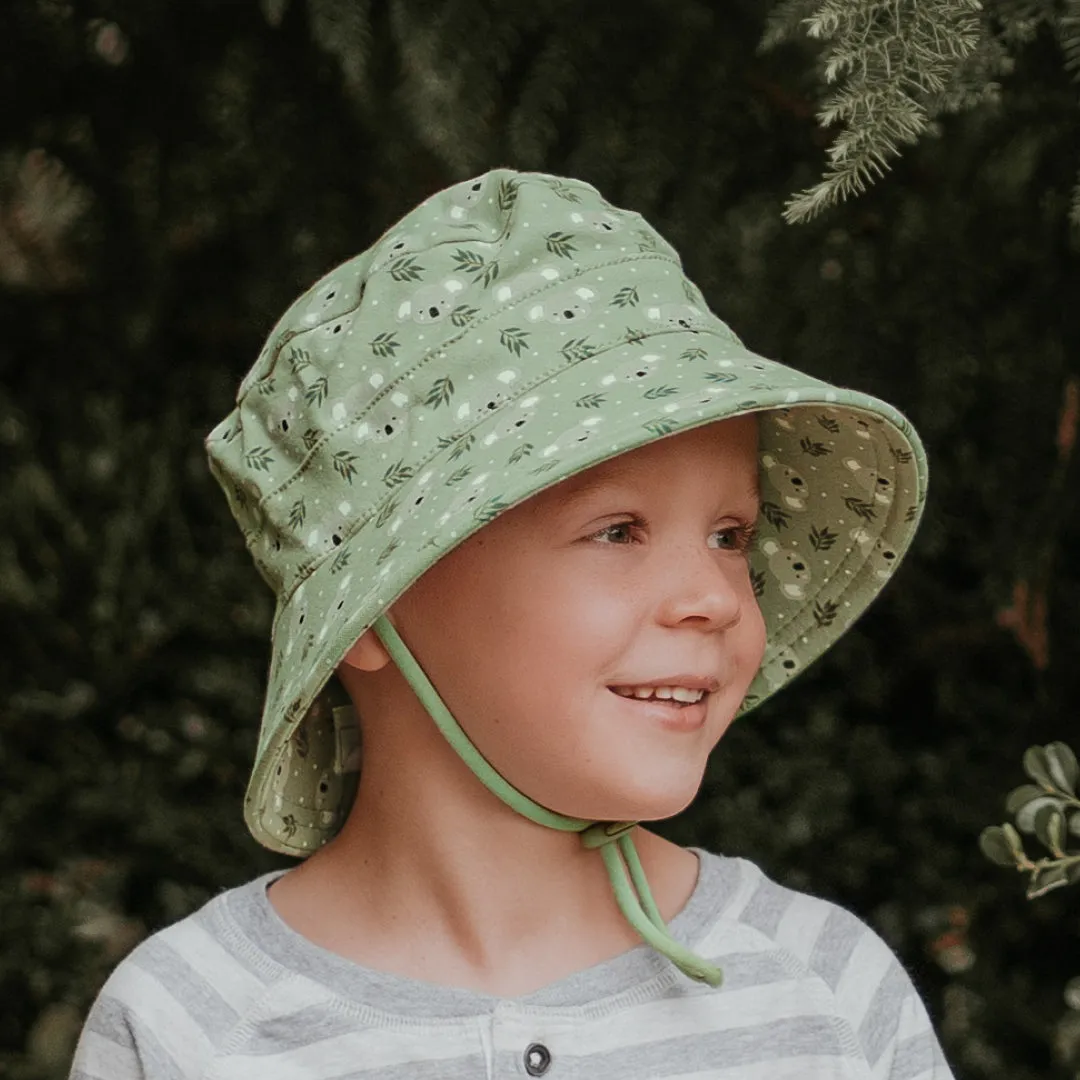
656	392
385	344
1050	829
696	352
661	427
462	314
1016	845
469	262
315	394
397	473
1019	797
634	335
310	438
825	613
995	847
577	349
297	514
1038	768
459	474
560	244
514	338
814	449
563	191
341	560
387	512
507	194
775	515
720	376
440	393
259	458
388	550
546	467
1046	878
1062	767
627	296
406	269
265	386
822	539
345	465
860	507
757	582
490	509
519	452
590	401
298	360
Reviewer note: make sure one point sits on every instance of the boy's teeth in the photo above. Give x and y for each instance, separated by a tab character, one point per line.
667	693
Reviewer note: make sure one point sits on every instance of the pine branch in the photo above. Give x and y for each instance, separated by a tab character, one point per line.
899	62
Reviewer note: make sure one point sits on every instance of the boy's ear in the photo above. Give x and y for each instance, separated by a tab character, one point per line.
367	653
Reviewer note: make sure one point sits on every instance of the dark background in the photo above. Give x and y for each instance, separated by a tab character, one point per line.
173	174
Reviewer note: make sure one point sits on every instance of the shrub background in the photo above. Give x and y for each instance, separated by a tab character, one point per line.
173	175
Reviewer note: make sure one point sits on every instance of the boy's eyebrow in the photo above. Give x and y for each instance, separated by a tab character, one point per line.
585	487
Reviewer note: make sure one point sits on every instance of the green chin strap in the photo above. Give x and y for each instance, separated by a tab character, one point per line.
616	845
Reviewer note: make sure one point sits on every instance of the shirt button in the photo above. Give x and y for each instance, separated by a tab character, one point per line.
537	1059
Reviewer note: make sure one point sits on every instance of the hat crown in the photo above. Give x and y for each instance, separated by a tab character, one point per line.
478	293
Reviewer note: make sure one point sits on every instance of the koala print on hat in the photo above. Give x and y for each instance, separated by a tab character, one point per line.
791	570
787	483
599	221
562	306
431	303
517	287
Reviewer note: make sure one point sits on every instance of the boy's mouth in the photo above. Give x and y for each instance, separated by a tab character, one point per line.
674	693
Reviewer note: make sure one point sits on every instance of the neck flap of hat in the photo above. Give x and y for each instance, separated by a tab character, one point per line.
613	838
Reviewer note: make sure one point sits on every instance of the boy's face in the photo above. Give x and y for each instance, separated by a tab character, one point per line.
633	572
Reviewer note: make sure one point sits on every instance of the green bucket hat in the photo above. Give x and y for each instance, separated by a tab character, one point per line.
509	332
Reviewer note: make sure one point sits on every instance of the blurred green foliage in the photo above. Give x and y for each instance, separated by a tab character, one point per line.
172	175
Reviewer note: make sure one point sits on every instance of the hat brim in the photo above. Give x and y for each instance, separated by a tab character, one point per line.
843	483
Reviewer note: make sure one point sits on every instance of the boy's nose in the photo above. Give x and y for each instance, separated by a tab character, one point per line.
702	584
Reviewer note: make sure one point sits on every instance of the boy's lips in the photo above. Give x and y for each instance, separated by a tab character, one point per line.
708	683
670	714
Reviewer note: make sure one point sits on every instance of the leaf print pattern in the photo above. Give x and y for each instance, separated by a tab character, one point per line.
385	345
507	195
345	465
577	349
297	514
590	401
695	352
406	269
813	448
861	507
627	296
514	338
822	539
469	262
440	393
561	244
259	458
462	315
388	510
299	359
315	394
397	473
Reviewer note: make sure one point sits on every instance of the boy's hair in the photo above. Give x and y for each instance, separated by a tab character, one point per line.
509	332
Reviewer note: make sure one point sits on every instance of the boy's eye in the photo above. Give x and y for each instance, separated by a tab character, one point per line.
738	538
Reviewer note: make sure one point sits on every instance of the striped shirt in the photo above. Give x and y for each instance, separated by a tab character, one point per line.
232	993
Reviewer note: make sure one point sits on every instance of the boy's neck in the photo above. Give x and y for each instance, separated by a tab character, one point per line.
465	893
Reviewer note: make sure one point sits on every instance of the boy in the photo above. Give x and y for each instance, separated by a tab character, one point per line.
550	523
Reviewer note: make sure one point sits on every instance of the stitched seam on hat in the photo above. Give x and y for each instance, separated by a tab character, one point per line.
449	343
306	569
